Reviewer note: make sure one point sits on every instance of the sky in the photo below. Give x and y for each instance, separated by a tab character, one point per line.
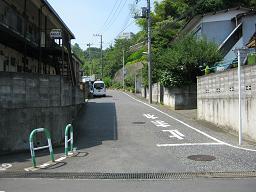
88	17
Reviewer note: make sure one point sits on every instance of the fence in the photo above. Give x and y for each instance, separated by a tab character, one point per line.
176	98
217	99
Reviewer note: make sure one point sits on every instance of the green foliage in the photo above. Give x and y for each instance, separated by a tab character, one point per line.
181	64
135	56
117	85
129	81
107	81
176	61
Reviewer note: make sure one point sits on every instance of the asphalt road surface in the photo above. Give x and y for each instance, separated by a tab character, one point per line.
123	134
202	185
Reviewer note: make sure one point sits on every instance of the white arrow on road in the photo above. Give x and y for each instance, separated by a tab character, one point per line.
159	123
149	116
5	166
175	133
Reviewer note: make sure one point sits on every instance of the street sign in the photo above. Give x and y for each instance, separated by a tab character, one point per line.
56	34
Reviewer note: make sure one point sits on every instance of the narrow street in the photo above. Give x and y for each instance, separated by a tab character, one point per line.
121	134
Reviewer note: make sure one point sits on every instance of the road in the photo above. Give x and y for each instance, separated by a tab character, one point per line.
122	134
196	185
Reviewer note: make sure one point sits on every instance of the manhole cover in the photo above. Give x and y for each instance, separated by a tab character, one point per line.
201	157
139	122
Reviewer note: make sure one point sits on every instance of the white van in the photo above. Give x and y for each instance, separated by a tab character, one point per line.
99	88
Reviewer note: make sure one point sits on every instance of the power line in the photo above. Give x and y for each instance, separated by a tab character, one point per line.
113	15
109	15
116	16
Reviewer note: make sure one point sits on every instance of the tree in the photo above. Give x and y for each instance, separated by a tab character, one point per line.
181	64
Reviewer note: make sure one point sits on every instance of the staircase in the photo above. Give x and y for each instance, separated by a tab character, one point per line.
232	39
68	70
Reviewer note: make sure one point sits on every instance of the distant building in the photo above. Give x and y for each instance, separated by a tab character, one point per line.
34	39
126	35
229	29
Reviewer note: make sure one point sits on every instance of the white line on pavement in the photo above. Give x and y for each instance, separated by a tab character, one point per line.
175	133
193	128
60	159
188	144
5	166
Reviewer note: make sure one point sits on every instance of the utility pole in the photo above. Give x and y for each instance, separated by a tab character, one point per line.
241	54
146	14
101	53
89	50
123	70
149	53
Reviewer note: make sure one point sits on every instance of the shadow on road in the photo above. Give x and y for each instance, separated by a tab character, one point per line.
97	123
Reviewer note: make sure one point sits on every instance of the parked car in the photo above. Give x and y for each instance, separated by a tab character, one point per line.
99	88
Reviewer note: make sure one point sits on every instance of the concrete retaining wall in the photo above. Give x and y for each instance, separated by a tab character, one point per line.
176	98
217	99
29	101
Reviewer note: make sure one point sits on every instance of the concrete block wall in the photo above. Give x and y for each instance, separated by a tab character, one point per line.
217	99
176	98
29	101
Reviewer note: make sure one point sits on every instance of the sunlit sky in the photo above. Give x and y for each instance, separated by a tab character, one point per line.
87	17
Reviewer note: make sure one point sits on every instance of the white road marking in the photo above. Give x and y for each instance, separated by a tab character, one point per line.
31	169
193	128
5	166
175	134
149	116
159	123
44	165
60	159
188	144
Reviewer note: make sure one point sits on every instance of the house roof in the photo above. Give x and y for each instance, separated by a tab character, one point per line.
47	4
195	20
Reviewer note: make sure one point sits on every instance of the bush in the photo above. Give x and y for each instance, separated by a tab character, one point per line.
107	81
117	85
181	63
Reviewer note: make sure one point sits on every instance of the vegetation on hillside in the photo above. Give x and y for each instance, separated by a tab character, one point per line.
177	60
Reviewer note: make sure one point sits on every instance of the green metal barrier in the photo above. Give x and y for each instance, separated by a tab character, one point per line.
32	149
69	129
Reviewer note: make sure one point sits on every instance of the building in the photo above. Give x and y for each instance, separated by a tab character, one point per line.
252	42
39	75
34	39
229	29
126	35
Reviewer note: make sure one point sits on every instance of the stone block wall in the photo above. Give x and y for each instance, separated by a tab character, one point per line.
176	98
29	101
217	99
